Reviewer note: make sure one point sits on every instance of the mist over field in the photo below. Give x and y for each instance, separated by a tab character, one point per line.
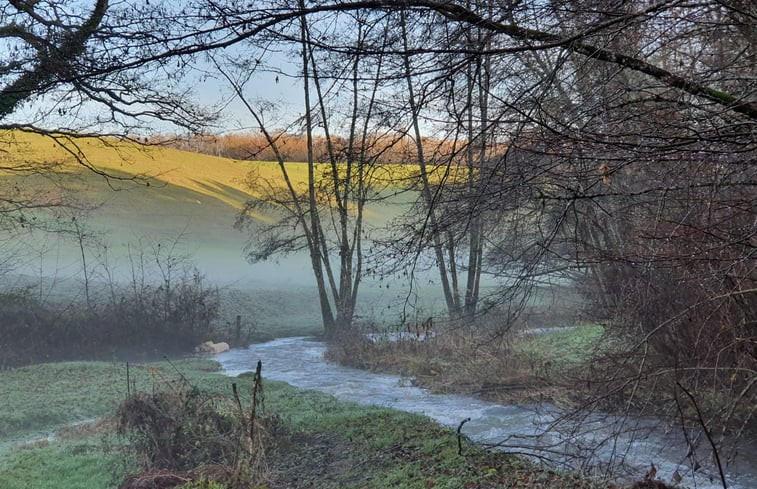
135	227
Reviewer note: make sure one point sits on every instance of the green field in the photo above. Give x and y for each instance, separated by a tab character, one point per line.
46	396
565	349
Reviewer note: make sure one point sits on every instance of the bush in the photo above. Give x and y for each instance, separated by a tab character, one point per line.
180	430
28	327
151	320
184	430
170	317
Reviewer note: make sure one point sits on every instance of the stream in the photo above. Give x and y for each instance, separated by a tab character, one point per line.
596	444
39	436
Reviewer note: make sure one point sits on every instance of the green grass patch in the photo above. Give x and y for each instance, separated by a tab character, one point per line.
337	444
45	396
76	464
564	348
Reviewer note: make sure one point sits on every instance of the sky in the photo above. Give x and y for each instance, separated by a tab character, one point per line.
274	84
278	87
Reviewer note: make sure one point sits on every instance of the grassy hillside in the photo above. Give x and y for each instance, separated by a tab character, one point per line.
181	193
191	197
200	175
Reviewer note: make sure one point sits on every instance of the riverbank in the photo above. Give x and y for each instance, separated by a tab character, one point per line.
579	368
525	368
594	442
318	441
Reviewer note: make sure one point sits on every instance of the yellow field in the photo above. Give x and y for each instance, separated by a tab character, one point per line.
206	175
216	177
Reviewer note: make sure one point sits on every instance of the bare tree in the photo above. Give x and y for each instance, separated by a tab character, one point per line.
325	215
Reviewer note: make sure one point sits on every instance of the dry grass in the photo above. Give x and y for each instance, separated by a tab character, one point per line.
502	369
203	435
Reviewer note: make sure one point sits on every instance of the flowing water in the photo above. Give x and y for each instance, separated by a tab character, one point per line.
37	437
595	443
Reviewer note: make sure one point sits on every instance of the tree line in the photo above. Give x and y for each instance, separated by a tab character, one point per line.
392	149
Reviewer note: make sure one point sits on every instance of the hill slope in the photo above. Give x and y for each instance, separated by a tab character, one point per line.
185	194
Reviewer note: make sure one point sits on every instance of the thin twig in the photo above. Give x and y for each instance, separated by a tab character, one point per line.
255	387
460	436
128	380
186	381
236	398
707	434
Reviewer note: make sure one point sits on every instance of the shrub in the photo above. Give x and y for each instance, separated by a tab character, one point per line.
28	327
180	430
148	319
